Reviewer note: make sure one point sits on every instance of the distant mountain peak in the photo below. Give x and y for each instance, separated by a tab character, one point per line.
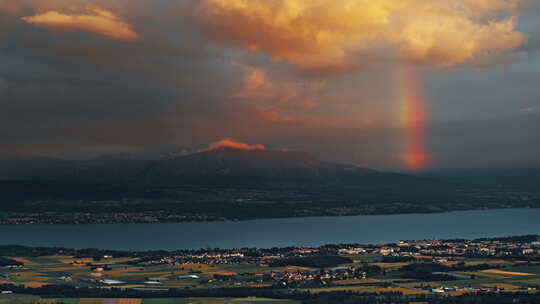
229	160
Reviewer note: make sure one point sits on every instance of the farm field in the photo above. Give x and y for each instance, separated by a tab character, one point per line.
507	273
198	276
23	299
112	273
368	289
68	270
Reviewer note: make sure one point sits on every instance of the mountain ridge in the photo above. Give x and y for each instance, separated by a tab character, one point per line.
239	162
224	161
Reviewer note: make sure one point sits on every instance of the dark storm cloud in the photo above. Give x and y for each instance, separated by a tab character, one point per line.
531	25
507	142
63	89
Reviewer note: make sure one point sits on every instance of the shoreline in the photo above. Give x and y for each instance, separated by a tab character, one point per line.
22	219
267	233
509	238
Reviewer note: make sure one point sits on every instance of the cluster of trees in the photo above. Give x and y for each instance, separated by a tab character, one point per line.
355	298
65	291
427	272
312	261
340	297
511	257
206	197
436	271
26	251
9	262
514	239
62	291
397	259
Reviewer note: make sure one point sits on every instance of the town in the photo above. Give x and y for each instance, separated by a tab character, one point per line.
410	268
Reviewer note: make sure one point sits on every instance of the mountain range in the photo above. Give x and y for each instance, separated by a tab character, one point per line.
218	163
231	183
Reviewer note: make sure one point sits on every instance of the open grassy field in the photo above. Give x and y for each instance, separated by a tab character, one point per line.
535	282
504	286
531	268
507	273
357	288
390	265
357	282
23	299
26	299
238	301
79	272
67	270
342	288
502	281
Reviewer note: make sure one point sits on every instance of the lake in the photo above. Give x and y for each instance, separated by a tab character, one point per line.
314	231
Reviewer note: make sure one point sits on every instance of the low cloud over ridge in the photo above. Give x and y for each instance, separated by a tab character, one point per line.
231	143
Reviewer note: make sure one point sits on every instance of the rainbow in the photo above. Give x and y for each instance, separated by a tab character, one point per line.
414	118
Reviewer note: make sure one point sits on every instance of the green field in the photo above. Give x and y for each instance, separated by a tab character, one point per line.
66	270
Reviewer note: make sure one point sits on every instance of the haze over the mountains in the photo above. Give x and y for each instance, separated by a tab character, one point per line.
232	161
234	180
225	158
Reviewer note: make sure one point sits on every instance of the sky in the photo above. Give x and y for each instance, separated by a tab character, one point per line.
403	85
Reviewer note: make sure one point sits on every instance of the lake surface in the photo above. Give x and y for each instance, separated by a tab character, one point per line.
313	231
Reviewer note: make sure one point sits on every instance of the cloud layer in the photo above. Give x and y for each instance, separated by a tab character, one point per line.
84	77
342	35
93	20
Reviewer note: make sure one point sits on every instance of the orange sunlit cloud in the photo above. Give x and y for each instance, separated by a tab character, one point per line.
93	20
230	143
8	7
276	100
333	36
256	84
338	35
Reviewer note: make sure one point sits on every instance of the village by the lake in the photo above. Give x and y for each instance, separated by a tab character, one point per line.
423	268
